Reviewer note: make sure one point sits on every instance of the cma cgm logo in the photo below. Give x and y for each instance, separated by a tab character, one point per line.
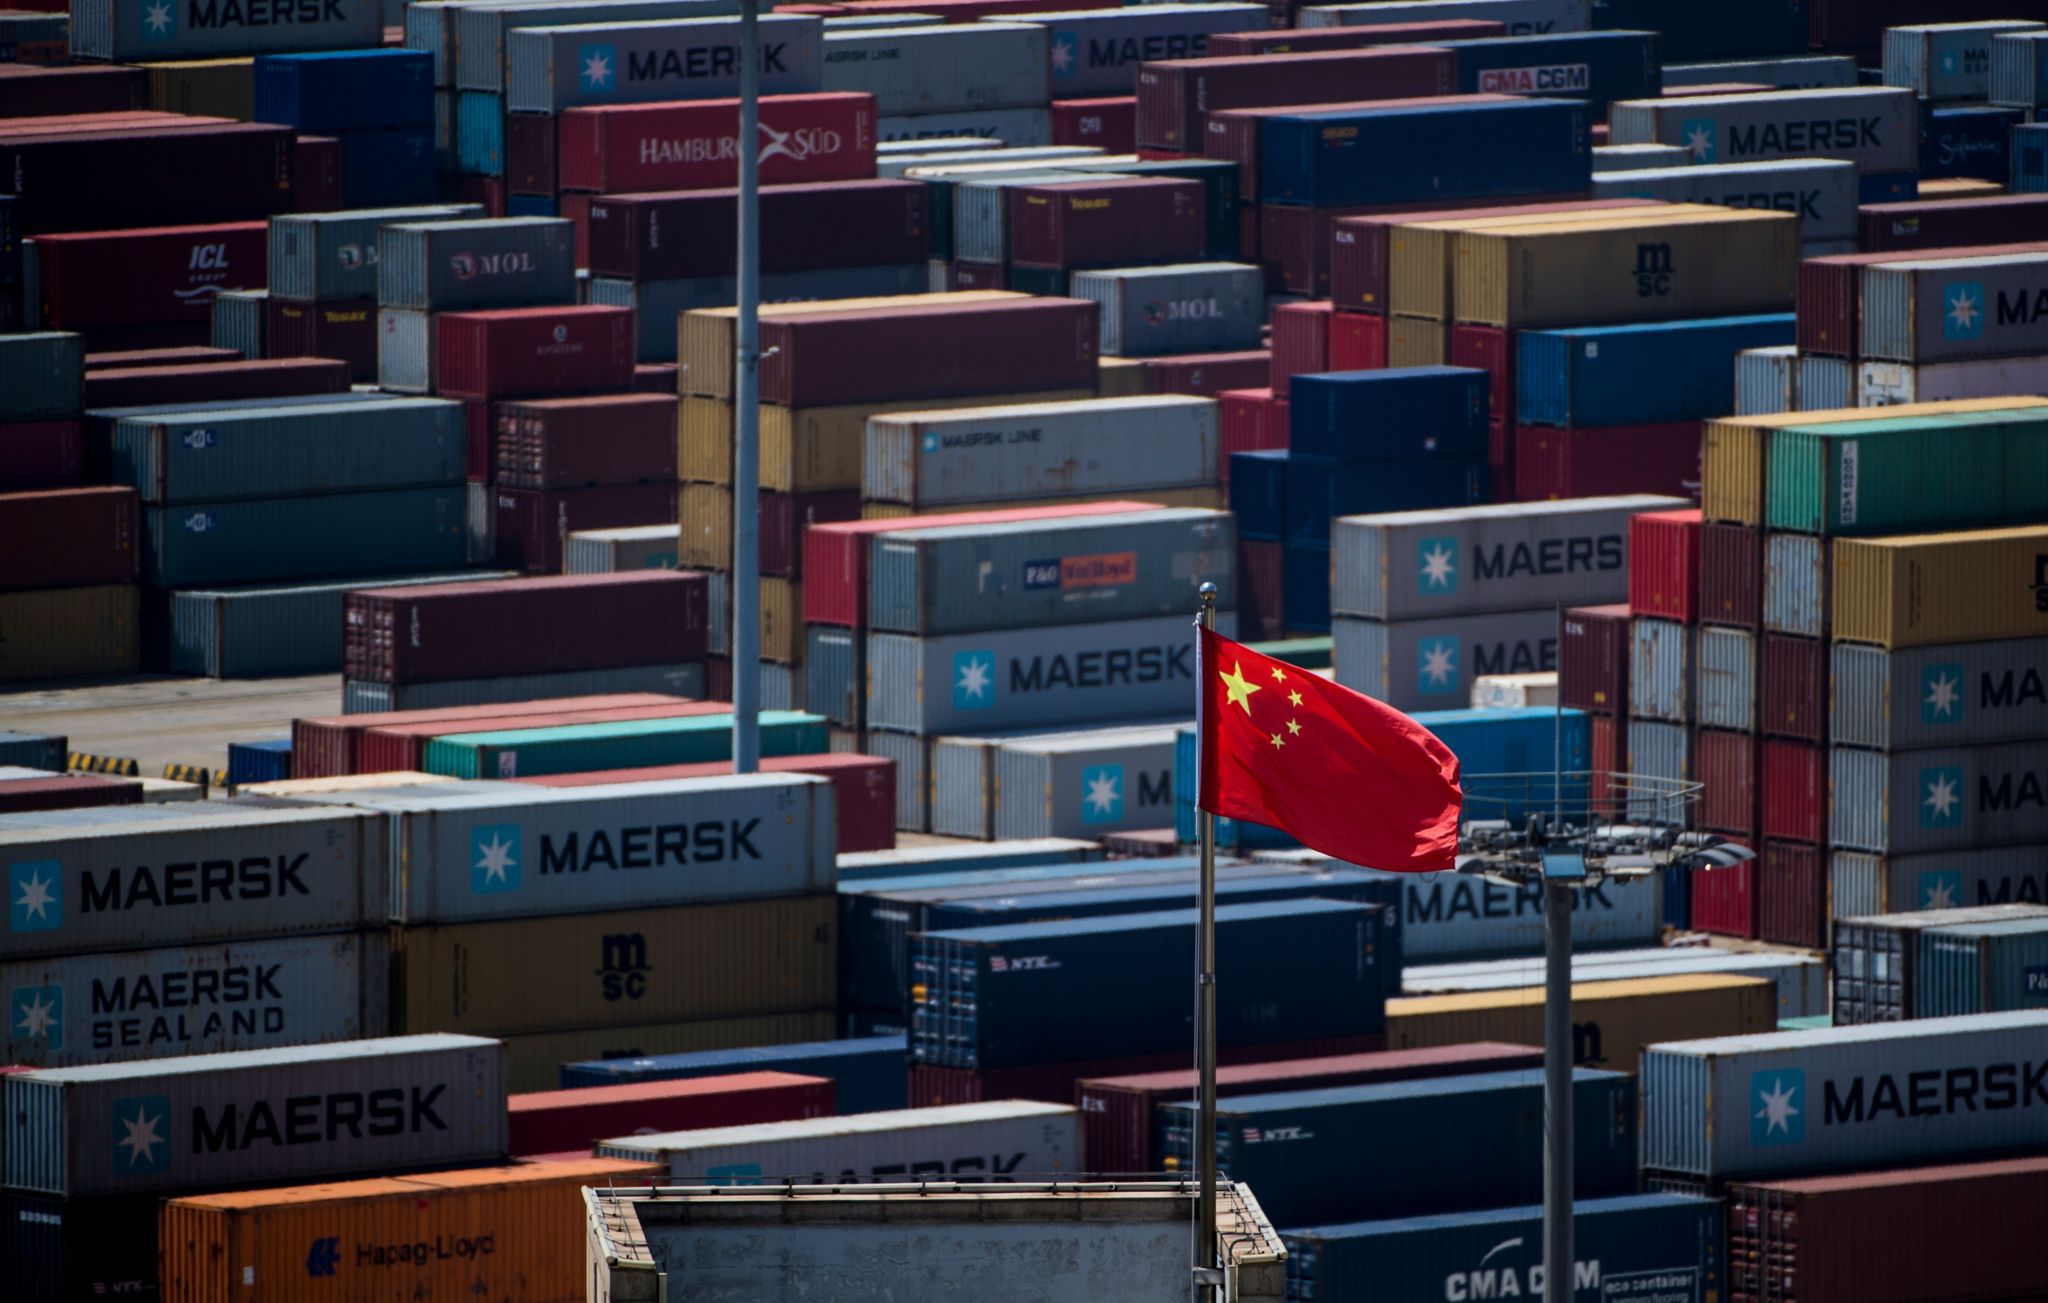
495	857
1436	566
142	1135
598	69
1777	1107
1436	665
1102	794
974	680
1962	310
1703	138
35	896
35	1016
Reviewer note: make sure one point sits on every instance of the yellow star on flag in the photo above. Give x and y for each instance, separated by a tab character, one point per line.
1294	728
1279	675
1278	741
1239	688
1294	698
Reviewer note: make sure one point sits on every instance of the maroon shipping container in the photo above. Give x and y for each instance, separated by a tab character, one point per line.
1795	788
36	92
684	233
396	748
1610	755
566	443
1610	459
1117	1113
1726	764
66	792
693	145
654	378
962	275
1110	125
557	1121
1248	422
1794	692
65	124
1950	223
500	627
1792	895
1857	26
1593	659
151	176
1261	585
1233	135
1294	245
534	524
1175	97
133	357
1664	564
1251	240
346	331
331	746
785	517
1731	575
1867	1235
209	382
41	455
1107	222
1359	246
316	174
1485	348
1301	343
1239	45
516	352
941	351
864	788
1724	900
1358	342
68	538
489	193
718	677
1205	375
530	154
1830	295
142	277
479	442
836	555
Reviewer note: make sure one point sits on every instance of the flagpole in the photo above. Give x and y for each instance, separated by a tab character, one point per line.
1206	1277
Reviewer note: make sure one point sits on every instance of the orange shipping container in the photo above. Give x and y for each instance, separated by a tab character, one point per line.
482	1235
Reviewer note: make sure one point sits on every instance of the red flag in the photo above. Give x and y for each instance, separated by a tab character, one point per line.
1344	774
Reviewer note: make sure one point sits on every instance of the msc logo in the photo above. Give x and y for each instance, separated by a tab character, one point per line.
1779	1117
494	857
1703	138
1065	54
1436	562
1941	797
1436	667
159	20
142	1135
598	69
974	680
1941	694
36	1013
622	967
35	896
324	1258
1654	270
1962	310
1941	889
1102	794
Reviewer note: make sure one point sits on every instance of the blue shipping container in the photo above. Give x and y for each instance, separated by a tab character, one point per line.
870	1075
1513	740
49	751
1887	187
480	133
1305	586
1231	834
382	169
1637	374
2029	159
1982	968
1390	156
313	537
1598	67
1000	997
532	206
1691	32
1404	413
1967	140
1407	1148
346	90
259	762
1662	1246
1318	491
1258	494
866	867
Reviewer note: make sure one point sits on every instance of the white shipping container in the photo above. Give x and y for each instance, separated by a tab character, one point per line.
901	157
1875	127
1727	679
1661	671
1955	308
548	69
1084	786
1636	158
1863	883
1512	691
1802	980
1945	61
1826	384
1820	192
1884	384
1015	1138
1767	380
1021	127
1428	664
953	68
604	551
1096	52
1942	799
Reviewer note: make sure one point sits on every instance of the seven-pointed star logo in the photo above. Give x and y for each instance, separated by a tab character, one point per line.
42	1014
495	860
1063	54
1778	1109
156	19
597	70
1238	689
1439	668
1102	794
974	678
142	1137
1962	310
1941	893
1944	699
1948	62
494	857
1699	138
1439	566
1944	798
36	897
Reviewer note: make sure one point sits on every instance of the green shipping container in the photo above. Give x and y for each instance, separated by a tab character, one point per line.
1903	474
622	744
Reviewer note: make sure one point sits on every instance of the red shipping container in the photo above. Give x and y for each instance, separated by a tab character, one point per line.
718	677
1205	375
68	538
1866	1235
1795	786
1358	341
65	124
1492	350
1795	687
682	233
1922	224
515	352
1664	564
557	1121
864	788
330	746
1261	586
498	627
566	443
216	382
534	524
1239	45
489	191
961	275
1056	1083
143	277
1233	135
1301	343
941	351
1610	756
1176	96
66	792
346	330
1724	900
1725	764
1553	463
693	144
1108	222
1792	895
396	748
1109	124
316	174
41	455
1117	1112
784	518
836	555
34	92
530	167
1359	245
1830	294
1731	575
148	175
654	377
1593	659
1250	421
1294	245
125	358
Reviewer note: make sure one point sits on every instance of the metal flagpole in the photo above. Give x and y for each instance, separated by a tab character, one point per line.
746	557
1207	1280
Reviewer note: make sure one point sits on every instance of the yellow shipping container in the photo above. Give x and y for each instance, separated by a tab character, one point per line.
1212	498
704	540
207	88
1120	377
1914	590
490	1233
706	344
537	1059
69	633
1958	187
704	440
1611	1021
1413	341
782	620
342	783
681	964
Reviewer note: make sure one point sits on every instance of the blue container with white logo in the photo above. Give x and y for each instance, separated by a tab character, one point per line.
1408	1148
1596	67
1983	968
1465	151
1393	415
346	90
259	762
1258	494
380	169
1663	1246
869	1074
1969	140
1320	491
1637	374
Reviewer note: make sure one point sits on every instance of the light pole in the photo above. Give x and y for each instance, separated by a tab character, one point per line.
745	579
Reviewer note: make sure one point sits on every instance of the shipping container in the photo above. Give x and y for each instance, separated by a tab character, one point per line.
1767	381
532	525
947	68
1731	575
1952	307
1522	17
1097	52
327	257
78	632
119	279
1945	61
1780	124
864	789
1597	67
1967	693
1430	663
1382	156
1612	1021
252	540
562	1121
42	751
1915	590
254	632
1726	765
1788	73
1184	308
132	32
868	1074
1603	375
515	352
1877	957
1957	798
548	69
80	537
1727	683
966	1141
1665	579
452	266
1802	980
1982	968
23	789
332	746
218	456
1663	670
1593	658
1021	128
804	227
1176	96
1010	346
685	679
1873	884
1663	752
628	149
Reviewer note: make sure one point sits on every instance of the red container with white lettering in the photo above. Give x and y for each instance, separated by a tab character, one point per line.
557	1121
864	788
146	277
515	352
692	145
1110	124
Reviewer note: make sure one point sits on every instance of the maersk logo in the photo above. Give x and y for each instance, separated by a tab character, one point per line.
1941	889
1962	310
1778	1114
35	896
494	857
974	680
142	1135
1941	694
1436	667
931	443
599	69
1065	54
36	1014
1703	138
159	20
1102	794
1437	566
1941	797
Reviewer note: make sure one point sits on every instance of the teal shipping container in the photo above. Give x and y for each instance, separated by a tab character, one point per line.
1909	474
313	537
1983	968
623	744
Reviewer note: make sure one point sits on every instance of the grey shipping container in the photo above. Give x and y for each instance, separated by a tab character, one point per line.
1843	1098
1052	788
504	262
897	158
549	69
1041	450
42	375
963	578
139	30
916	861
782	686
963	773
833	683
1955	307
1523	17
1940	799
1876	958
1944	61
1071	674
1821	192
291	451
45	751
1504	557
1795	73
909	752
1796	585
1863	883
1196	307
236	633
1024	128
150	1004
946	69
279	538
238	321
123	877
660	302
685	679
606	551
1096	52
1657	750
323	257
1429	664
480	29
298	1113
1637	158
1767	380
1954	695
980	206
405	351
1826	383
1983	968
1727	679
1662	664
2016	79
1875	127
1015	1138
718	608
1802	981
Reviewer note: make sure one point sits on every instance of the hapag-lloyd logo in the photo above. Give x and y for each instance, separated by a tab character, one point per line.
561	346
798	145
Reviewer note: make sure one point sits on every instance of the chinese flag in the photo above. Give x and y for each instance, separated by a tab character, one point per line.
1344	774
